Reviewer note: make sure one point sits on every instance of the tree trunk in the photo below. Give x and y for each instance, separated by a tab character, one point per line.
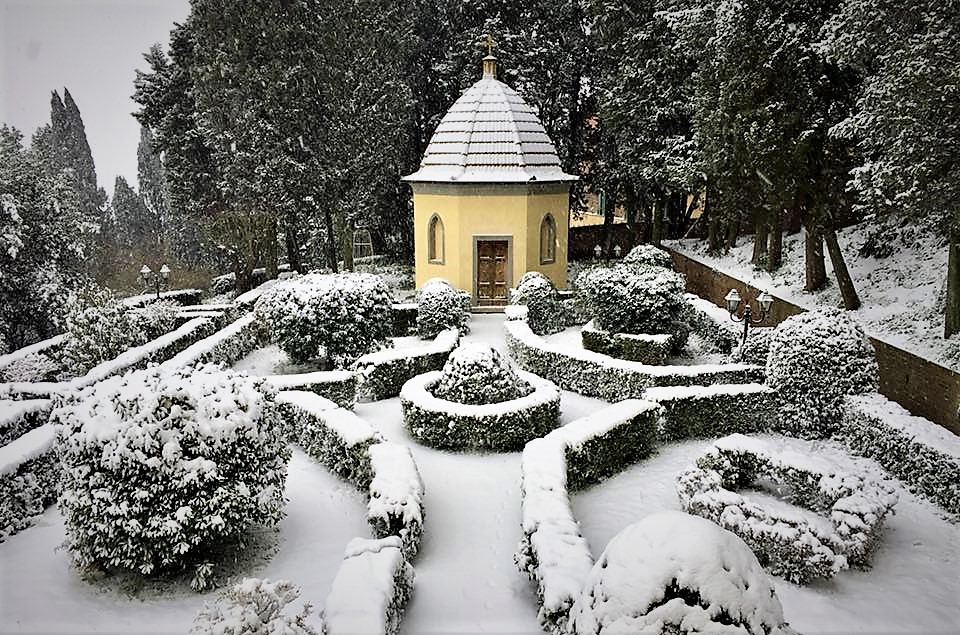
951	321
331	243
760	232
814	267
851	301
733	231
291	238
775	243
346	243
272	251
659	207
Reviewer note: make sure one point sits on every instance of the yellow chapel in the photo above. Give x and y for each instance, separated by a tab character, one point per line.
490	200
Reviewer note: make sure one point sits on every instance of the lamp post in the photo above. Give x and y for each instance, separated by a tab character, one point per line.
151	278
598	250
617	250
733	301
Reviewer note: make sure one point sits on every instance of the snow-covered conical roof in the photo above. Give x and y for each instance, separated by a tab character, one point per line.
490	135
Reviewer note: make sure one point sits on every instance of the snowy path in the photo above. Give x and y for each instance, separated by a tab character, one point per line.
466	578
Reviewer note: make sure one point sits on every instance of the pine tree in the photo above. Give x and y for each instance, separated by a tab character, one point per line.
152	182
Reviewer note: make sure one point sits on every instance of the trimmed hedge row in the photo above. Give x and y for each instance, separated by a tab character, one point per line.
29	478
228	345
646	349
139	357
504	426
552	552
349	447
371	589
712	411
183	297
596	375
20	417
787	543
339	386
920	453
383	374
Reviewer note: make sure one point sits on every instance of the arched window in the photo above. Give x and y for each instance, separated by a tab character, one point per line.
548	240
362	243
435	240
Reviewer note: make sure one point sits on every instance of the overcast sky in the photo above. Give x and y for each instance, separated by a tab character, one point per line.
92	47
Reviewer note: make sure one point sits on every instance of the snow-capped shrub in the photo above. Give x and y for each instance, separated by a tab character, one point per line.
152	320
501	426
254	607
222	285
440	307
336	437
676	573
925	456
596	375
382	374
545	312
634	299
371	590
161	466
227	346
713	324
477	374
757	348
649	256
789	544
31	368
20	417
713	411
98	327
817	358
334	316
29	476
646	349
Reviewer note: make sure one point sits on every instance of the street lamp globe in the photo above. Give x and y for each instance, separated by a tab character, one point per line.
598	250
765	300
733	301
165	272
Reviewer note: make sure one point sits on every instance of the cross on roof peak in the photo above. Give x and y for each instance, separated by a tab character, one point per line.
489	42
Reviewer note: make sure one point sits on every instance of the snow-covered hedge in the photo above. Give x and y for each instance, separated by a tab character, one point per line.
713	411
22	364
789	544
552	552
228	345
646	349
98	327
674	573
440	307
757	348
222	285
156	351
183	297
597	375
815	360
334	436
713	324
920	453
371	590
634	299
649	256
339	386
503	426
29	475
19	417
255	607
396	495
337	317
160	466
545	311
382	374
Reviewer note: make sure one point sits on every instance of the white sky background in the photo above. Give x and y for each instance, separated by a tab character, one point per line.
92	47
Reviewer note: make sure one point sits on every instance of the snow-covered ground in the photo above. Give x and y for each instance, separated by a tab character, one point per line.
466	578
902	294
695	352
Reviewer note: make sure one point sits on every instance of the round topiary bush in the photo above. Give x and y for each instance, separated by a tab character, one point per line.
757	347
440	307
545	311
634	299
255	607
337	317
161	468
649	255
675	573
476	374
479	402
815	359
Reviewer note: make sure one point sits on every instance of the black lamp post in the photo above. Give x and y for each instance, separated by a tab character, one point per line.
733	301
154	279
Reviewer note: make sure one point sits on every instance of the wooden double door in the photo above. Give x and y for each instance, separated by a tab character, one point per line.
492	272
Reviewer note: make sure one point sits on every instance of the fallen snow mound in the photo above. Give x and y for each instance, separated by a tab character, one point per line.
676	573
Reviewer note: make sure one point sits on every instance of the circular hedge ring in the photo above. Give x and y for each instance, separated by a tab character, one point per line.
504	426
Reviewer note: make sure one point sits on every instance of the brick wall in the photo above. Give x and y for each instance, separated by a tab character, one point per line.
924	388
